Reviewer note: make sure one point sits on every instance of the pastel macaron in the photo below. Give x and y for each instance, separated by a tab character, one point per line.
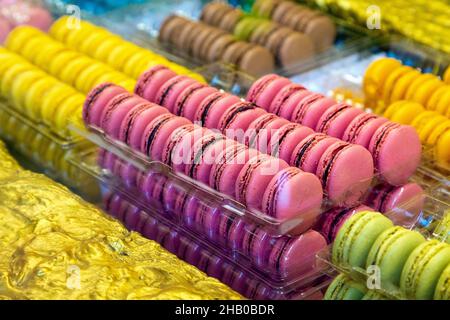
423	268
150	81
286	139
264	90
442	291
356	236
343	288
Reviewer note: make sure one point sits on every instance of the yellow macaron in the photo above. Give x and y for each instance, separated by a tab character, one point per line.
120	55
61	60
446	76
88	77
45	56
376	74
436	133
92	41
402	85
53	99
442	150
391	79
70	107
21	84
403	111
443	105
105	47
28	51
416	84
35	94
19	37
436	96
424	92
72	70
7	79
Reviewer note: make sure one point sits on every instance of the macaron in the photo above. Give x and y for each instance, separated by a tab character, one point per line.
286	139
331	221
293	194
356	236
423	268
203	155
227	167
390	252
346	172
135	121
286	109
263	91
157	132
402	204
235	120
254	178
343	288
442	291
336	119
97	100
362	128
189	99
307	153
396	152
211	108
258	134
150	81
282	97
311	108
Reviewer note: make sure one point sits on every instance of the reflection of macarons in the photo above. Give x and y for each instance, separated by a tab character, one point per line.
293	193
423	268
356	237
402	204
342	288
390	252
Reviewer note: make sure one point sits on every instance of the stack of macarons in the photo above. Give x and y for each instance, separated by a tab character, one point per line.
280	257
432	127
387	80
345	169
395	148
289	47
111	49
17	12
257	180
193	252
319	27
408	264
38	95
71	67
210	44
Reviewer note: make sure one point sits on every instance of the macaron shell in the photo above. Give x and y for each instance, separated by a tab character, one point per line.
316	110
362	132
335	120
285	140
442	291
216	111
264	90
289	105
396	152
163	135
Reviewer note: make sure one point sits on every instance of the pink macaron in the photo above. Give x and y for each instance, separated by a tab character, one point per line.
97	100
210	110
286	109
307	153
152	80
169	92
203	156
283	96
346	172
264	90
254	178
227	167
396	152
284	141
336	119
310	109
294	194
191	98
174	138
362	129
235	120
135	121
260	131
158	132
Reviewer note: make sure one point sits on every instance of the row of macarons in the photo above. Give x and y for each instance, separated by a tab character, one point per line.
408	265
255	179
268	16
432	127
387	80
228	271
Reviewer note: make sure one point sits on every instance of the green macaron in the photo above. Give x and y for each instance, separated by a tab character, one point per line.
263	8
342	288
356	236
442	291
374	295
390	251
423	269
245	27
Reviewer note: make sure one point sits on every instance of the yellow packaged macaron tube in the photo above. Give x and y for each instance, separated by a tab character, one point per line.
69	66
112	49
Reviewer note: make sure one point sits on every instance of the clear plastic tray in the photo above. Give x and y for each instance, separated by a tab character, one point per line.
140	23
430	219
40	150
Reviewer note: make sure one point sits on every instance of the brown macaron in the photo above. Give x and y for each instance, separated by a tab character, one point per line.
322	30
218	47
230	20
170	27
213	12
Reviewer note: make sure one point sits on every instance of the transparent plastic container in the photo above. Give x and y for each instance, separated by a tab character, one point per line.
428	225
